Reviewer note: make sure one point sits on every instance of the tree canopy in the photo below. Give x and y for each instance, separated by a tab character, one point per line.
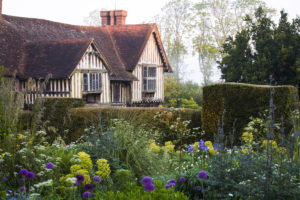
263	49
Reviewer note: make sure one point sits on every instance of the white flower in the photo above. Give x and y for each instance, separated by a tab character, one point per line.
44	184
231	195
71	180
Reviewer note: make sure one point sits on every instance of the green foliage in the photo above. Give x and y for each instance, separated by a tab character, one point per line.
241	101
138	117
121	177
134	192
184	95
263	49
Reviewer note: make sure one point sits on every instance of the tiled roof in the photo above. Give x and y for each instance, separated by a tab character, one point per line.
120	45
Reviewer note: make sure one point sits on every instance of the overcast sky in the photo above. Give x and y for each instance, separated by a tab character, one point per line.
74	11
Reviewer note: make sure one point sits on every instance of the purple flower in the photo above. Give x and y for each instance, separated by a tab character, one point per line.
50	165
76	183
205	148
202	175
4	179
197	188
89	187
182	179
22	189
190	148
146	180
23	172
172	181
172	184
216	147
167	186
80	178
201	144
204	191
30	175
97	178
149	187
87	195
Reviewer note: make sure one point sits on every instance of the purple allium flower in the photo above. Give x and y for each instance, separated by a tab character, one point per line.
23	172
87	195
202	175
30	175
146	180
167	186
172	184
204	191
80	178
172	181
76	183
22	189
97	178
197	188
4	179
22	180
149	187
182	179
89	187
50	165
190	148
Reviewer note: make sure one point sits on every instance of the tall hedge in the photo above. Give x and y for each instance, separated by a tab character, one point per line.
240	102
159	119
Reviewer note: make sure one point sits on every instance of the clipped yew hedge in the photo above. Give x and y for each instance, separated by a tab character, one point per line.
241	101
145	117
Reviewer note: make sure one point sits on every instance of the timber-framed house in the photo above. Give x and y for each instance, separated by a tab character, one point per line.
114	64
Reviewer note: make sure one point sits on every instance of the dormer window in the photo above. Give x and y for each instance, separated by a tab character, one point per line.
149	79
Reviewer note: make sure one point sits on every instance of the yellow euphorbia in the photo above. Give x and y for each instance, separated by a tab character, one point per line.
86	162
154	148
103	168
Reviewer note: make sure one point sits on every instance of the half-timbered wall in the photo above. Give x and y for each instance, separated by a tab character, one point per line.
90	64
150	57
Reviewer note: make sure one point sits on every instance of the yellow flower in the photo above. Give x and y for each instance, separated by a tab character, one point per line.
272	144
103	168
75	168
17	146
86	162
85	173
245	150
20	137
247	137
154	148
210	147
2	155
169	145
30	142
196	146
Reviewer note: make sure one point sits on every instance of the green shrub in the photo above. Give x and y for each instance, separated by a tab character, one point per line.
242	101
145	117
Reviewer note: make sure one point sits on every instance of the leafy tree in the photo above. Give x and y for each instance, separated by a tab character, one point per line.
263	49
174	27
93	19
182	95
214	21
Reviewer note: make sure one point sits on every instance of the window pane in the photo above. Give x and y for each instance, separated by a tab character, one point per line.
145	72
151	84
100	82
97	82
151	72
94	85
145	84
91	79
85	82
116	93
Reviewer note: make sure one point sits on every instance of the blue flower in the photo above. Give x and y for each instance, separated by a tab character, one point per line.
23	172
30	175
167	186
190	148
201	143
22	189
172	181
202	175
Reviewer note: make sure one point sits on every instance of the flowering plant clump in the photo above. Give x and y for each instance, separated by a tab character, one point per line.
247	137
97	178
87	195
103	168
202	175
85	160
50	165
147	181
169	145
182	179
154	148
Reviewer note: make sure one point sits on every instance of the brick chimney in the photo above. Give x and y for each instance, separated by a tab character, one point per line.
113	17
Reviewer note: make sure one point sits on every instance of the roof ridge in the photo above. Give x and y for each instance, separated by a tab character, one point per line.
115	48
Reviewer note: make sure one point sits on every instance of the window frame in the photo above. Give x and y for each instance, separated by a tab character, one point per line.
149	79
